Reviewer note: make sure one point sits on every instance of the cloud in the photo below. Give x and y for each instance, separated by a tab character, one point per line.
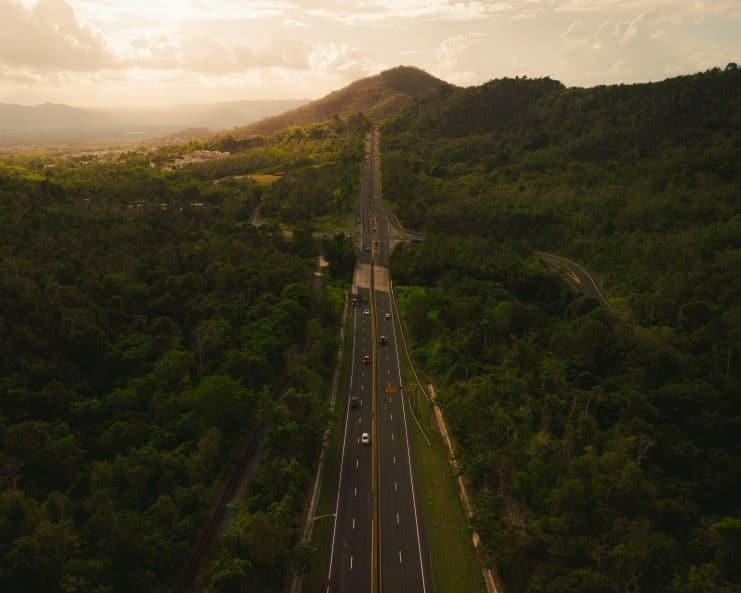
627	31
48	37
205	54
465	78
383	11
208	55
17	77
447	54
575	33
680	10
348	61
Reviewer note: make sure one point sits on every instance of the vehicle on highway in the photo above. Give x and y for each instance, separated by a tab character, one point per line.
366	359
388	316
365	438
366	312
354	401
382	340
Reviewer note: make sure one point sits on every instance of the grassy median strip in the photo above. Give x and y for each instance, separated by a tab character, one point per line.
322	537
455	567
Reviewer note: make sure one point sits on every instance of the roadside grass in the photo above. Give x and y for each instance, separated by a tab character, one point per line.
333	223
321	538
264	178
326	225
455	566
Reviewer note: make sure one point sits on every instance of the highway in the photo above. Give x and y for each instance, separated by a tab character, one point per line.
377	540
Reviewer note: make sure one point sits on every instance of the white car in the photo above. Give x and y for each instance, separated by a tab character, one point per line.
388	315
366	311
365	438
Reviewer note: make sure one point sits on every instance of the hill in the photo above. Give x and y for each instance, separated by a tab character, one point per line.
600	444
377	96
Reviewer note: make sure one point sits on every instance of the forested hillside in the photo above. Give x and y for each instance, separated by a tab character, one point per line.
602	446
149	336
377	97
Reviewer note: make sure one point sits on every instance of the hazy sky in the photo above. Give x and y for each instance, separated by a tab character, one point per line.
145	52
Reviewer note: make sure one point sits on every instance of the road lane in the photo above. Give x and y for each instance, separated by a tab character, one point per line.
405	555
403	558
349	564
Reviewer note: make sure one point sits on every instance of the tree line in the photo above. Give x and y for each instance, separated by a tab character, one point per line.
600	447
150	334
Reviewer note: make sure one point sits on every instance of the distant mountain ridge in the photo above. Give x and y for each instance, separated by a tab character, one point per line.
49	117
377	96
51	122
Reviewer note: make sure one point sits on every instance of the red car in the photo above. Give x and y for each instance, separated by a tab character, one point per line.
366	359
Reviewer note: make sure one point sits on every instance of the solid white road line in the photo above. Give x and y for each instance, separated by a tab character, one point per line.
342	459
409	459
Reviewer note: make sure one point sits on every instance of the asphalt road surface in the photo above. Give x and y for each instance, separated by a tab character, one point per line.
378	540
574	274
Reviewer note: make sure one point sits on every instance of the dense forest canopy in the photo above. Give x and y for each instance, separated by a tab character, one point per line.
602	445
149	336
157	322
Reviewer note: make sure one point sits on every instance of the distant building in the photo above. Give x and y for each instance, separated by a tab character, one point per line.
200	156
